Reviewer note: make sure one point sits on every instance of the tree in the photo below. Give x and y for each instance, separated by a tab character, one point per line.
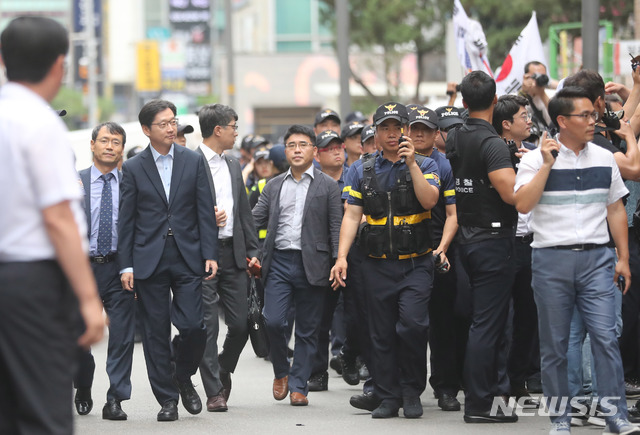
394	27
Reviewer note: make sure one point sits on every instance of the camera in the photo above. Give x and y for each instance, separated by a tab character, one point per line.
635	61
542	80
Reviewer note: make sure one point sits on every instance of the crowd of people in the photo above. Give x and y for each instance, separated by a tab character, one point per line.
501	235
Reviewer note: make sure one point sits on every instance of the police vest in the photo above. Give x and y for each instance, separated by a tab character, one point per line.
478	204
262	232
397	225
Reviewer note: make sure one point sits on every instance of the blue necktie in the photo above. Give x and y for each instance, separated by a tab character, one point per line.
104	227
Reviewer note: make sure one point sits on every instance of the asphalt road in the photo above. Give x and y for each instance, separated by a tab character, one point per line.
253	410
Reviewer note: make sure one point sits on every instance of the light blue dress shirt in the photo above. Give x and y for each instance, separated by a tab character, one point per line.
165	167
293	196
96	200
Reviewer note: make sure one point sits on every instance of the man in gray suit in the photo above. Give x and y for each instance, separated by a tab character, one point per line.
237	241
302	212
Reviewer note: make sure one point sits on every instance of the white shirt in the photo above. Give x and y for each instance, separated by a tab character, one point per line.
36	171
293	196
222	183
573	206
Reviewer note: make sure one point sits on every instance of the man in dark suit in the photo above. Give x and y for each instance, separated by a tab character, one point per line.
101	182
168	240
302	212
237	241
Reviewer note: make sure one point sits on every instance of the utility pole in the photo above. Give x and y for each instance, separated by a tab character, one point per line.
342	35
590	12
231	88
91	53
636	18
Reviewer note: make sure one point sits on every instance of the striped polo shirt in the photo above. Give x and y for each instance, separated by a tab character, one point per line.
573	206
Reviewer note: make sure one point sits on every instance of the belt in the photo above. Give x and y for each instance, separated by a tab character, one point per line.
170	232
100	259
581	246
227	241
525	240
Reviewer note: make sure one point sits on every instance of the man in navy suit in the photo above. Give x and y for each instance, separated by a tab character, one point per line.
167	241
302	212
101	182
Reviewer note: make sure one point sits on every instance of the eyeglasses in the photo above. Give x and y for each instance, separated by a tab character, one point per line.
525	117
332	148
234	126
104	141
164	124
585	115
302	145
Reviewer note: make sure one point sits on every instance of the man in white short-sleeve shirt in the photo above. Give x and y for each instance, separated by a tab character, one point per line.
43	250
572	188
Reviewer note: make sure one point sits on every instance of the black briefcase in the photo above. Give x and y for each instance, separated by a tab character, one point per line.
257	329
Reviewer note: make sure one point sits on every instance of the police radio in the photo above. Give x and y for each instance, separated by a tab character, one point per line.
400	141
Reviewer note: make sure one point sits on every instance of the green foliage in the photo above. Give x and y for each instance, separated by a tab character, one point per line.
72	101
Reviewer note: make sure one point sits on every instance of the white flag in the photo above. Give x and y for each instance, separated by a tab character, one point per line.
528	47
470	41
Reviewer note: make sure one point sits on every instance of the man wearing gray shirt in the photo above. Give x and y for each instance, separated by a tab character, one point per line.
302	212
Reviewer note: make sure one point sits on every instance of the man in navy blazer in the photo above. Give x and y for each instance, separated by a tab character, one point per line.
302	212
167	241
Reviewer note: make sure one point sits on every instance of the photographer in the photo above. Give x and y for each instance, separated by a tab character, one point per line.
534	81
628	160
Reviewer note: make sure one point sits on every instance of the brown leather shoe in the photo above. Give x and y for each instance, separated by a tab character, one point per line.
216	404
298	399
280	388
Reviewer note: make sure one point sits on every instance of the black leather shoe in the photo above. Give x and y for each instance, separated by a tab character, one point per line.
486	417
190	399
350	372
448	402
522	396
336	363
412	407
225	378
113	411
83	401
319	382
387	409
169	411
634	414
631	388
366	401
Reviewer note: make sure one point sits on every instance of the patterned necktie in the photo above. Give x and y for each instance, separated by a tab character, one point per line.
104	227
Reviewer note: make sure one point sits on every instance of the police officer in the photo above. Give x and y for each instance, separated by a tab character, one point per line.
484	179
446	333
395	190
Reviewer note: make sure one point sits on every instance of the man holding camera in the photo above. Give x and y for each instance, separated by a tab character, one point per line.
534	81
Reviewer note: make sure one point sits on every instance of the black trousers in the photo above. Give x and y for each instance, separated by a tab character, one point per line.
228	290
158	310
524	353
38	332
448	329
630	338
120	307
489	264
397	293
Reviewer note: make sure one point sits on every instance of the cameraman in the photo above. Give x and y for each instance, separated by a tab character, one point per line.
534	82
628	160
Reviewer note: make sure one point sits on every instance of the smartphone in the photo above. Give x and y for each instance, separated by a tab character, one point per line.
621	283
